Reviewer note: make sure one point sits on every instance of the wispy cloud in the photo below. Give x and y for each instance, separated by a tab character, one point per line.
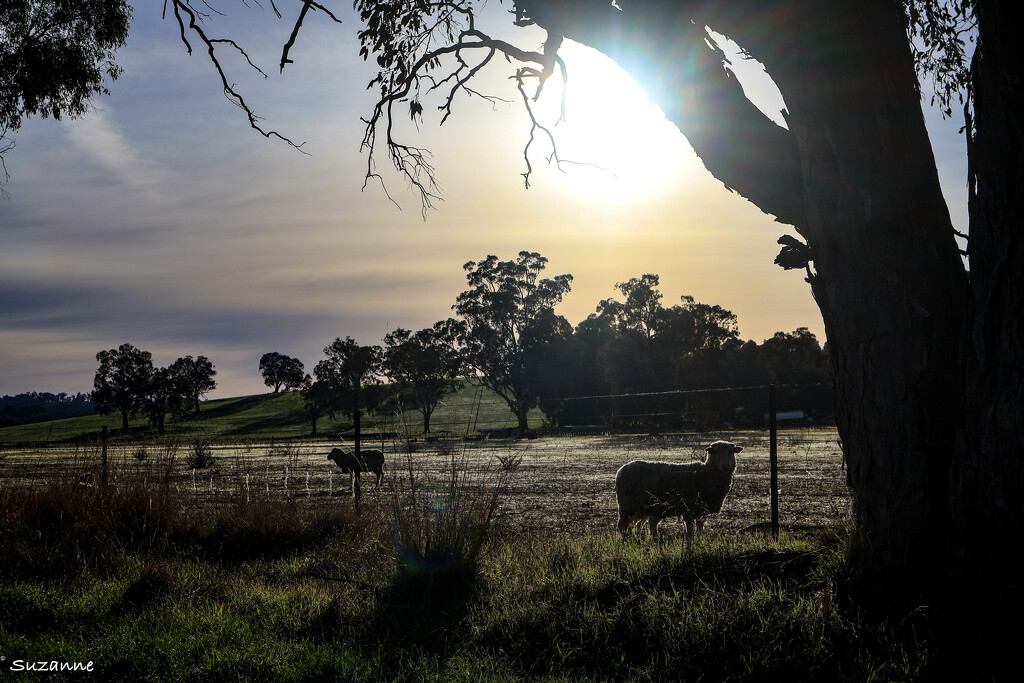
100	138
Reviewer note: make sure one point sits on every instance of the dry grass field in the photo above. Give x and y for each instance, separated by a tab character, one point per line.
562	483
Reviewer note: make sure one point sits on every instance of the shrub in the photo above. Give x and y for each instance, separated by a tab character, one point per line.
510	463
140	453
200	455
441	528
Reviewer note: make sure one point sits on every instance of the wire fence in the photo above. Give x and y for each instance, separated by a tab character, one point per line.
562	480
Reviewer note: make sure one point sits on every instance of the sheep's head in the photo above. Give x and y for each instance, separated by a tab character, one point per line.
722	455
340	458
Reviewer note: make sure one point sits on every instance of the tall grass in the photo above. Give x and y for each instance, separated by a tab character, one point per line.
426	580
441	525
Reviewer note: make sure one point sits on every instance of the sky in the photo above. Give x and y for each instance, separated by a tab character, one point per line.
162	220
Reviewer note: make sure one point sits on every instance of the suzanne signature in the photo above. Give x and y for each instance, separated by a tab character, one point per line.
48	666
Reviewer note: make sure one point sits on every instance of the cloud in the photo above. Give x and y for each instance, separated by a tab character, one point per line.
99	137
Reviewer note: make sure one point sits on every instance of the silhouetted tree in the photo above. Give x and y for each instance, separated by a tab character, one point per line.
195	376
167	393
321	395
346	370
122	380
426	363
54	57
510	324
279	370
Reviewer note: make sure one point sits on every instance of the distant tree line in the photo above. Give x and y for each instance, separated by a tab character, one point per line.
42	406
508	336
128	382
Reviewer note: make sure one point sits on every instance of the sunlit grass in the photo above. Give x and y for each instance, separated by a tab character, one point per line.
274	416
422	581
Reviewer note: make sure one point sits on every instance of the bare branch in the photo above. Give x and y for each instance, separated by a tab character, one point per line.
238	47
295	32
6	145
183	9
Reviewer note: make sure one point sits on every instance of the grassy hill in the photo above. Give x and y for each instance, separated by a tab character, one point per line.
274	416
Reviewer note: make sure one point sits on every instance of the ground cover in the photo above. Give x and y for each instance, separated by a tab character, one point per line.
261	567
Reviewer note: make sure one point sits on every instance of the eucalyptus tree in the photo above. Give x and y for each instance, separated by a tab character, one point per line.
167	393
279	371
426	363
122	381
195	376
346	371
511	325
319	396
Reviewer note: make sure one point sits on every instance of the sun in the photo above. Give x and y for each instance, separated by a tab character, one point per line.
615	147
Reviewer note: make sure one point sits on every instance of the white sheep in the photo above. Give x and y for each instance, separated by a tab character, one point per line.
368	461
651	491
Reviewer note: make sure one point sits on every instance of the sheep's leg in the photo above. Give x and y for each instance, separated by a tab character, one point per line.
690	527
627	521
380	476
355	485
689	532
700	525
654	521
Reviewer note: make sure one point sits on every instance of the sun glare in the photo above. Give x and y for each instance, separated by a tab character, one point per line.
615	146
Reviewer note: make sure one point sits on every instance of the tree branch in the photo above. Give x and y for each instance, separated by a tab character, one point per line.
183	9
679	66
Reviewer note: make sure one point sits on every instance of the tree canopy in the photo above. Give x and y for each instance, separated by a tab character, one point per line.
279	371
122	381
195	376
426	364
511	324
55	56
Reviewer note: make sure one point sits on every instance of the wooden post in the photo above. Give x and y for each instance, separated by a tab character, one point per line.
773	457
103	452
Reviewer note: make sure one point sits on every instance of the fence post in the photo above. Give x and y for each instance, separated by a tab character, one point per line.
103	451
773	457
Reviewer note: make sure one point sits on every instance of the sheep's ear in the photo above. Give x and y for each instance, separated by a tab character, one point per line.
737	449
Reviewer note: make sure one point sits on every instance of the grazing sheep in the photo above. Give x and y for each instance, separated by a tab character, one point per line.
368	461
652	491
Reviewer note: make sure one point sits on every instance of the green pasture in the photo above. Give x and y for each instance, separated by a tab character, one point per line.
276	416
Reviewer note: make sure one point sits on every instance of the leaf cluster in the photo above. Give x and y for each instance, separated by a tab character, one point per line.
511	324
939	31
56	54
279	371
128	382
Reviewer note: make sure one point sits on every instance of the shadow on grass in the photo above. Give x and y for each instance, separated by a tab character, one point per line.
236	406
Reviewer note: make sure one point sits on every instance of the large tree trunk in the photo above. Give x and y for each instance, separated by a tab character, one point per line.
521	414
855	174
890	283
988	472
